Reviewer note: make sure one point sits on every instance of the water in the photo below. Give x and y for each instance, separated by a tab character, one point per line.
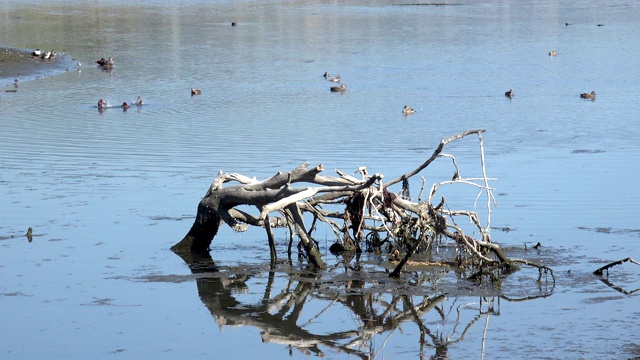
108	193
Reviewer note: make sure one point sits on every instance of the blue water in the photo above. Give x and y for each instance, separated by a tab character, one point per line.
107	193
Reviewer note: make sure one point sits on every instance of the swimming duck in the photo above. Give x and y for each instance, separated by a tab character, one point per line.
509	94
102	104
36	53
46	55
407	110
53	55
235	23
340	88
326	75
553	53
138	101
335	78
125	106
105	63
195	92
589	96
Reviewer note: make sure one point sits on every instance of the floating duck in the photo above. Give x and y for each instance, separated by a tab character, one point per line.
509	94
341	88
407	110
36	53
102	104
195	92
106	63
46	55
52	56
235	23
553	53
125	106
589	96
138	101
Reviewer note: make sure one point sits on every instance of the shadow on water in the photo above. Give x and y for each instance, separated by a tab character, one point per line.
352	308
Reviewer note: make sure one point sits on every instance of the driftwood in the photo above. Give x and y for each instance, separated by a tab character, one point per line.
612	264
365	204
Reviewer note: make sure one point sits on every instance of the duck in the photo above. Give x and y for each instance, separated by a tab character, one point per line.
106	63
138	101
326	75
15	83
509	94
335	78
553	53
340	88
52	56
589	96
102	104
125	106
46	55
235	23
195	92
407	110
36	53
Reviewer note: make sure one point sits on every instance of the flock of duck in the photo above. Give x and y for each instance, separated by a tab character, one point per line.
107	64
588	96
43	55
406	110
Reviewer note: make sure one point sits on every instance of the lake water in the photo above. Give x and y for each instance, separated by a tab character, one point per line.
108	193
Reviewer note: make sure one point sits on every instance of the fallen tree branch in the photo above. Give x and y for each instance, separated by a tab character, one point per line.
610	265
367	204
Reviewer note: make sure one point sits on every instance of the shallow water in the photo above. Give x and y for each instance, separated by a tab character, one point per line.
107	193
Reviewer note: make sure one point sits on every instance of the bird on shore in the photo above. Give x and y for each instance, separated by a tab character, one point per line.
138	101
588	96
509	93
341	88
15	83
407	110
195	92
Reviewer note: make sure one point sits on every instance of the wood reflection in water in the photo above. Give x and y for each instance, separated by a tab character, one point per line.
289	314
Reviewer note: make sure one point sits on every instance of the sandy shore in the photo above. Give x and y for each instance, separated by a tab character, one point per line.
19	64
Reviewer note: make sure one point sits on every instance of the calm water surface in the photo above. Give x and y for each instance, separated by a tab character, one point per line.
108	193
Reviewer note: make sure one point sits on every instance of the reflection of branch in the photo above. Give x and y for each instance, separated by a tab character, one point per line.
618	288
281	316
610	265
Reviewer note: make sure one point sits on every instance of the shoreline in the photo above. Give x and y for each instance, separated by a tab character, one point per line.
19	64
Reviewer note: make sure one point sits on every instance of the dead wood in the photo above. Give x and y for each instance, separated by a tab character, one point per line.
612	264
356	209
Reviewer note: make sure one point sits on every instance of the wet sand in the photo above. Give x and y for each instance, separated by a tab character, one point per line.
19	64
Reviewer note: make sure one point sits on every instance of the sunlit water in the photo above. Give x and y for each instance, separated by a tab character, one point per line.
107	193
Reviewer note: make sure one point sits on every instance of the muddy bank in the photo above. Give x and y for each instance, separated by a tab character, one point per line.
19	64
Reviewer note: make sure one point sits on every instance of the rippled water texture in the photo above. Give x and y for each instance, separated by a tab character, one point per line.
107	193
